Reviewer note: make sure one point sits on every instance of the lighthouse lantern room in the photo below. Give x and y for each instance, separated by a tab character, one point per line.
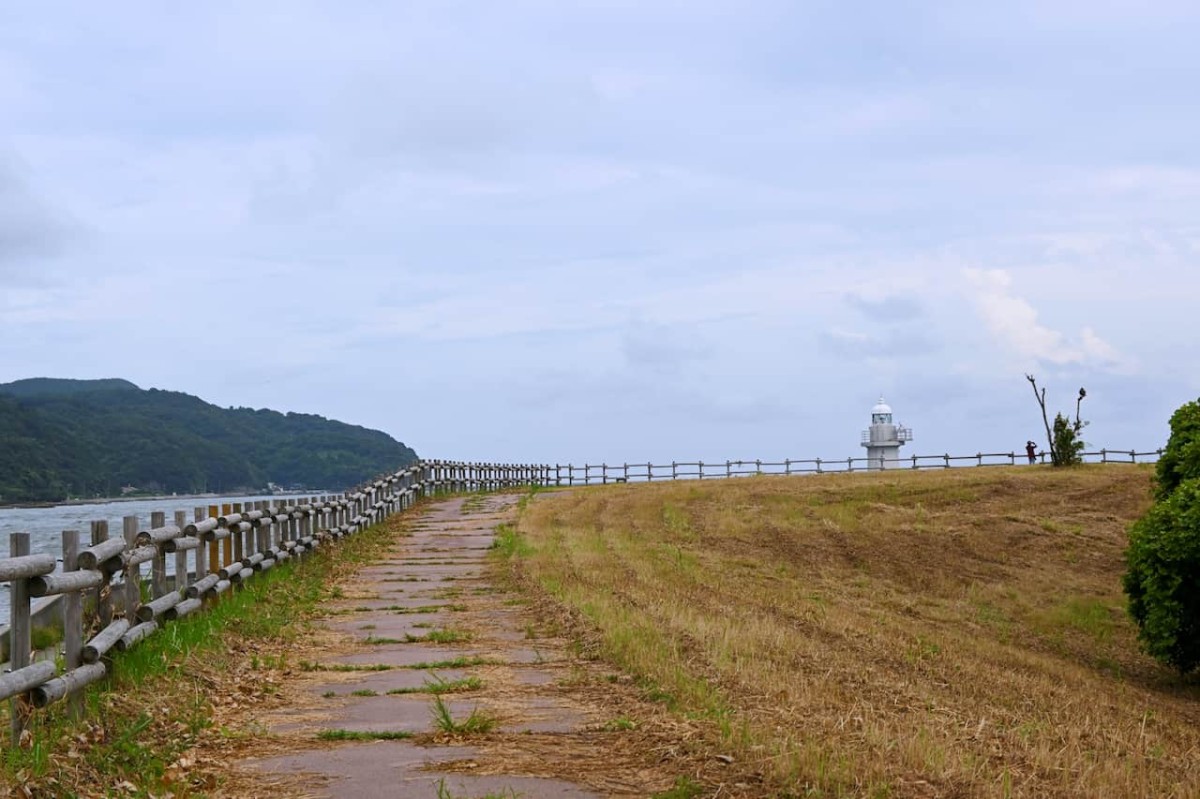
884	438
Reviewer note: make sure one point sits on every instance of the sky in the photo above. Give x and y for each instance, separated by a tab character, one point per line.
545	231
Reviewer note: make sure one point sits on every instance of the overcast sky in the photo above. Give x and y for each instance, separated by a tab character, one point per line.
568	231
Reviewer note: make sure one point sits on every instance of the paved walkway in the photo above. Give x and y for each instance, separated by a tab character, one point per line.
425	614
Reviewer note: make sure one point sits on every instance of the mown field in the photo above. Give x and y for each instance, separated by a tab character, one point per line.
902	634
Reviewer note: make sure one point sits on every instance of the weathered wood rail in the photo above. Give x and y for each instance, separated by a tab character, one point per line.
603	473
220	549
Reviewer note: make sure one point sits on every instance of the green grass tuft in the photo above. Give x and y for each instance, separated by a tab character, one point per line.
363	735
477	723
440	685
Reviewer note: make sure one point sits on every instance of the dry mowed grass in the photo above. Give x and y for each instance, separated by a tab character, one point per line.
901	634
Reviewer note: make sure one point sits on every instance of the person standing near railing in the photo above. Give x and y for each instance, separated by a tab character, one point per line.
1031	451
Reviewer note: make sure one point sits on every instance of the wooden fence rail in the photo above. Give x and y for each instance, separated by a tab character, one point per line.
604	473
102	585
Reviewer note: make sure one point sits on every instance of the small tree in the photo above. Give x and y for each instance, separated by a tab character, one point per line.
1066	445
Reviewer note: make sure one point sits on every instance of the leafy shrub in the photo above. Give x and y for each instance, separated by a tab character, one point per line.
1181	459
1163	577
1068	446
1163	559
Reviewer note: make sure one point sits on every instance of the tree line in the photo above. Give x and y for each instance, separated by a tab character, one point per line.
81	438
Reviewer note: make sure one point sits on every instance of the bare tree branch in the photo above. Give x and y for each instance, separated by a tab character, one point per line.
1041	400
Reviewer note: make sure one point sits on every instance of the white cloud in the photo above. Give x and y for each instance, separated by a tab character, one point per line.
783	216
1014	323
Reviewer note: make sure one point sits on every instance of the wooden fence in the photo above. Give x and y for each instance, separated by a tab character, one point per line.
229	545
603	473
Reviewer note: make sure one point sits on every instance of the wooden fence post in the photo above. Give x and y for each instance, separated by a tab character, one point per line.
72	620
19	636
181	567
102	596
215	547
133	572
200	514
158	568
262	531
227	542
238	538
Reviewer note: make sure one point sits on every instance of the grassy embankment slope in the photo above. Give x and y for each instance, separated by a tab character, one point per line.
899	634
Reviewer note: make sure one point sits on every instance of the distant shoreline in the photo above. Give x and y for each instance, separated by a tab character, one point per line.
151	498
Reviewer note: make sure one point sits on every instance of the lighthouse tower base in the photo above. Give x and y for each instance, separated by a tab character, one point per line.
879	458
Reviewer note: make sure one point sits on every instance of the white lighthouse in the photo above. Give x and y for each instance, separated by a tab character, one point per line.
883	439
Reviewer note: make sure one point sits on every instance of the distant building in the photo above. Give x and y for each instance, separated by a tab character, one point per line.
884	438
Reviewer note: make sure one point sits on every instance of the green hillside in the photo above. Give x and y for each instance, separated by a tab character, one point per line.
85	438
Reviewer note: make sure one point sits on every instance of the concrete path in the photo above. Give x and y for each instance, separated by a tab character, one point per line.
427	616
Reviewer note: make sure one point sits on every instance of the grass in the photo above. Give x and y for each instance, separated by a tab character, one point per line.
477	723
621	724
684	788
158	702
448	636
363	735
45	637
306	665
461	662
854	634
440	685
508	543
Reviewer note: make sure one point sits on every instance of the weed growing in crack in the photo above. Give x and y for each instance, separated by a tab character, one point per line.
477	723
363	735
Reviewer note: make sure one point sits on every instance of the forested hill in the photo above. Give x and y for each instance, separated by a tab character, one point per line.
85	438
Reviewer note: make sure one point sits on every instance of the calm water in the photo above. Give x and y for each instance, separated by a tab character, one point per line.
45	525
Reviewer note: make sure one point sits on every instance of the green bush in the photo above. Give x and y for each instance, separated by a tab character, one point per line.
1068	446
1181	459
1163	577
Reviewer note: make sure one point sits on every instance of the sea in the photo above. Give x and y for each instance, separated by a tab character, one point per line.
45	525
